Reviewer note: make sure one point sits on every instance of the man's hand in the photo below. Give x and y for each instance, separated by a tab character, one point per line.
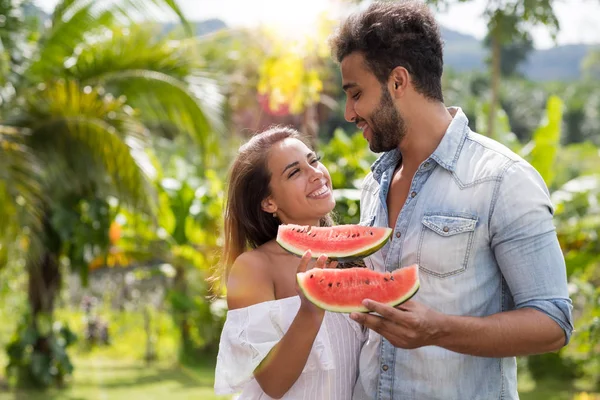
408	326
507	334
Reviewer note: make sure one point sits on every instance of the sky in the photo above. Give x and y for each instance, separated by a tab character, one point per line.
578	18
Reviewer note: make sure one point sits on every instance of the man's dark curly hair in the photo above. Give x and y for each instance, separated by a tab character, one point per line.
393	34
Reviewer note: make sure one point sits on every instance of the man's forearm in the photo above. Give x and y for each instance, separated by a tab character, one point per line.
513	333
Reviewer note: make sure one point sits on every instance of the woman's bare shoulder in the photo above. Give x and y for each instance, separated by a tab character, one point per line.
250	280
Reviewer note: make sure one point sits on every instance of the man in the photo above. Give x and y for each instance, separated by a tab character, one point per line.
476	217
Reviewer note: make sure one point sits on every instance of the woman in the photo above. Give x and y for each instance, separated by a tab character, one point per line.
275	343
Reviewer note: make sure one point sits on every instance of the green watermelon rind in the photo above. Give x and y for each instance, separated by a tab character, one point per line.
346	310
342	256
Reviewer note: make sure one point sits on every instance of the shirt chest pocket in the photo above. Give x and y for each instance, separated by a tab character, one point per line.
445	243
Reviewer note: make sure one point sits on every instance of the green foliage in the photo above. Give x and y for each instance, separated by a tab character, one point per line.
590	65
37	352
20	195
348	160
502	130
83	226
546	140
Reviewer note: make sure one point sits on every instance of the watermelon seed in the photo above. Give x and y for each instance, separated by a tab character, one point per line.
322	279
330	284
311	275
391	278
385	279
371	233
353	235
338	284
367	282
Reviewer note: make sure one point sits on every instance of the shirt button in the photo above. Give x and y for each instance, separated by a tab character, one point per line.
446	229
398	234
385	367
413	194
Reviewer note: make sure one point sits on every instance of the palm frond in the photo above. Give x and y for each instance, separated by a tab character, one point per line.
163	99
131	48
160	7
64	9
158	78
20	191
79	22
88	141
86	154
138	49
60	42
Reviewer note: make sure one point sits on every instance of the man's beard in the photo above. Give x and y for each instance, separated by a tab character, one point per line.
387	126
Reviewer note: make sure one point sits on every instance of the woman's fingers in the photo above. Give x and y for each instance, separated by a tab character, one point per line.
304	261
321	261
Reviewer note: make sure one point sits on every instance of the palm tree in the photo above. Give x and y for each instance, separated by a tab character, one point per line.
85	100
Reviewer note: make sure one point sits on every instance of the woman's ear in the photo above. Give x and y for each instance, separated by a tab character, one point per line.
268	205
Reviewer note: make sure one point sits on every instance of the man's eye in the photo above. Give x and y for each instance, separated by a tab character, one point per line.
316	160
356	96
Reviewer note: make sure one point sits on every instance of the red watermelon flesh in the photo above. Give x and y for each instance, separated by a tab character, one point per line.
343	290
341	242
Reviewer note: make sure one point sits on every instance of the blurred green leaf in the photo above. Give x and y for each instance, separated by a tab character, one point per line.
546	140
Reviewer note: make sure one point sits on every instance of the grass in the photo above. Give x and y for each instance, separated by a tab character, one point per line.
99	379
116	372
553	389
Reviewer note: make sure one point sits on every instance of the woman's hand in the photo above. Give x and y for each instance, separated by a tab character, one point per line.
321	262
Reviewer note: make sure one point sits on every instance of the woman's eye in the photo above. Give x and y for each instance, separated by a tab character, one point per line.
293	173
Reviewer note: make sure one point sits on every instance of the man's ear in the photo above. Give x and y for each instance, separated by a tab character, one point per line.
399	81
268	205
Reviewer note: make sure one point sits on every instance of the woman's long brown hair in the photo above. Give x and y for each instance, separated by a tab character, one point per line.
246	225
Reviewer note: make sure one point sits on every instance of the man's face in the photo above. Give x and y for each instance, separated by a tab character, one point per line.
370	106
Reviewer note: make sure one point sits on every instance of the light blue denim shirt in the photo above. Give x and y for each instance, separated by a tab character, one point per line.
478	221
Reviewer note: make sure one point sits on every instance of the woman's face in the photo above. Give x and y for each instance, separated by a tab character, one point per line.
300	185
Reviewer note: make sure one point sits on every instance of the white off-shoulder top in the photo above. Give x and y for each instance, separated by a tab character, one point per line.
250	333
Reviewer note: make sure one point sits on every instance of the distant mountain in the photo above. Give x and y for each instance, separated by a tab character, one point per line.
31	10
466	53
462	52
200	27
558	63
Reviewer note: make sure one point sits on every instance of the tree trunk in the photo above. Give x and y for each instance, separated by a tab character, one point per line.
44	283
44	271
495	86
150	351
180	286
44	286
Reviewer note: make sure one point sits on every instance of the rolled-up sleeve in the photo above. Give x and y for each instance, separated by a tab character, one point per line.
524	241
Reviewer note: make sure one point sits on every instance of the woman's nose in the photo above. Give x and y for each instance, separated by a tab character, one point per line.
317	173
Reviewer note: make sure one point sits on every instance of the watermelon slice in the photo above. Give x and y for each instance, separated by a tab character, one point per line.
343	290
342	242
